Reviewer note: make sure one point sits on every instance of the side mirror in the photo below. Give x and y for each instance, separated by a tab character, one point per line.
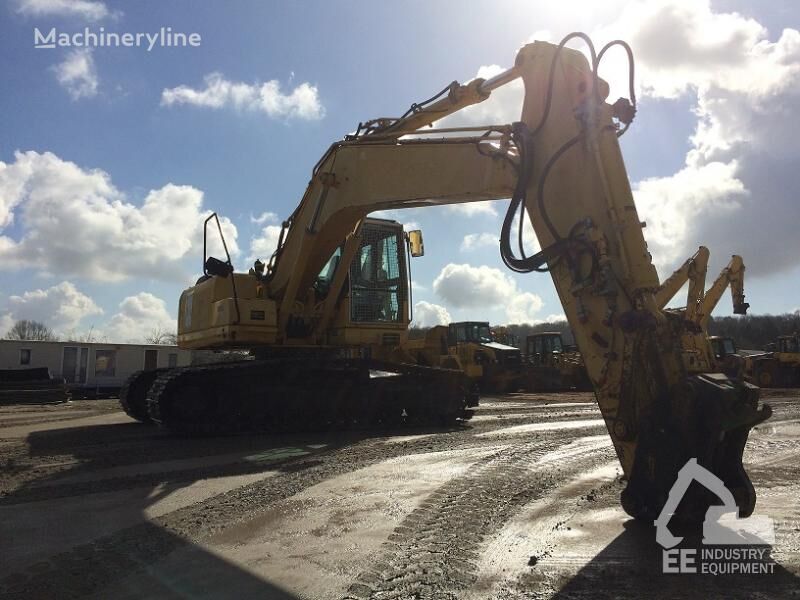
217	268
416	243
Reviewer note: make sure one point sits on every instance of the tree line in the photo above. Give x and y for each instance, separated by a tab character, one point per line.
37	331
751	332
756	331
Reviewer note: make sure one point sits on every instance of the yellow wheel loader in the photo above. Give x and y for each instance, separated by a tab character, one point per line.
551	366
727	356
327	317
779	368
471	346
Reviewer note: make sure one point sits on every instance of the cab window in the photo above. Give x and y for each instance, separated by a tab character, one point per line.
376	283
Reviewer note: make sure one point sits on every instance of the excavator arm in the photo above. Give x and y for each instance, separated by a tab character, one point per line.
700	304
562	167
733	276
694	271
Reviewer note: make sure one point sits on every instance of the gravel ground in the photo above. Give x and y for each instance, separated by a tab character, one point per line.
521	502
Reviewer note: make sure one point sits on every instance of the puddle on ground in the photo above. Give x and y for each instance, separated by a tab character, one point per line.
787	429
400	439
554	426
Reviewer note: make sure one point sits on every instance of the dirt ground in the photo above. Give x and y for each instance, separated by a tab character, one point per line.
521	502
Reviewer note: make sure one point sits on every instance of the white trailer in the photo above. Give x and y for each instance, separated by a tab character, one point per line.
91	368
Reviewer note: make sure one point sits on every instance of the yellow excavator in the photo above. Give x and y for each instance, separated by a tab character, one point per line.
325	355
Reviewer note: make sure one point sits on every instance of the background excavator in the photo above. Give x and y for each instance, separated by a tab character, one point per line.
323	354
701	351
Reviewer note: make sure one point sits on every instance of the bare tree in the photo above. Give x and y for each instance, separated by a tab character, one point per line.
31	330
158	335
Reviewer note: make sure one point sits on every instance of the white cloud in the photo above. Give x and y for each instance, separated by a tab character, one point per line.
302	102
737	190
76	222
523	308
77	74
675	207
554	318
529	240
476	241
466	286
684	44
138	316
472	209
262	246
427	314
60	307
264	217
91	10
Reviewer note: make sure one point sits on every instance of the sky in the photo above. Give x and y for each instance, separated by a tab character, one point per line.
111	157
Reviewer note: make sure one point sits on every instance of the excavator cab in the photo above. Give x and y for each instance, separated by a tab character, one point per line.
378	286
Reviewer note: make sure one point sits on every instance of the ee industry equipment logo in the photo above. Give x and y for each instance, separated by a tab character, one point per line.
731	545
165	37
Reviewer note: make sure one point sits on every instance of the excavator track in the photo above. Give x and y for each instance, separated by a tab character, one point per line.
286	395
133	394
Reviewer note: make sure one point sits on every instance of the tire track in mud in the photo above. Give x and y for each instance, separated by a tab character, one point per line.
85	451
87	568
435	551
